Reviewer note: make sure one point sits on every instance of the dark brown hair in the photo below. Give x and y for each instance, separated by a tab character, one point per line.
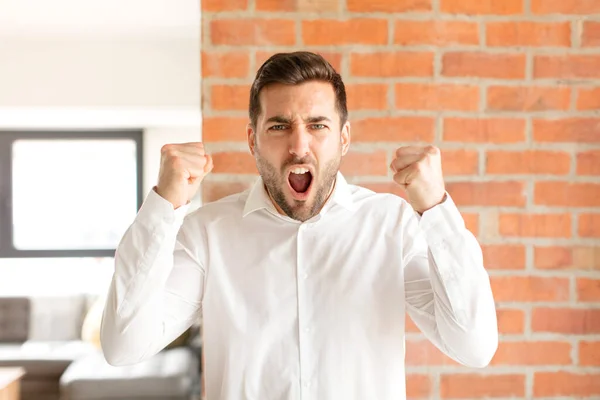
293	69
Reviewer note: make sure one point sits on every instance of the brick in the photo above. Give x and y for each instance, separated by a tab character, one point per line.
440	97
386	187
589	354
588	289
335	59
589	225
253	32
484	130
528	162
297	5
530	288
225	64
230	97
213	191
565	7
588	98
324	32
535	225
508	194
566	66
504	256
393	129
474	386
388	6
220	5
460	162
569	384
532	353
391	64
591	34
520	98
409	325
505	7
471	222
436	33
422	352
570	321
418	386
367	96
510	321
576	130
568	257
567	194
356	163
231	162
224	129
526	33
483	65
588	162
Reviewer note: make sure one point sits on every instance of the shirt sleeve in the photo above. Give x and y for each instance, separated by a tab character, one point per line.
156	289
447	288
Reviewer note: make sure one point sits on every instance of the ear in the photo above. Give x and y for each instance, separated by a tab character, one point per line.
345	138
251	138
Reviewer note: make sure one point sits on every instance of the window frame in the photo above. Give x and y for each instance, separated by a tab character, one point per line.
7	138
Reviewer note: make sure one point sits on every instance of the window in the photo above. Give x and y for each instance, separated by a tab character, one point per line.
68	194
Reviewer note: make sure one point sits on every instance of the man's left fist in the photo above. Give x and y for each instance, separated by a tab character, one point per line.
419	170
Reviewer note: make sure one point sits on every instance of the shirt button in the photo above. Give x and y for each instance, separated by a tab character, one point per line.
307	330
306	384
305	276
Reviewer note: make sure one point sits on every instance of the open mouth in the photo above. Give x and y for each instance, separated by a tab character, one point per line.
300	181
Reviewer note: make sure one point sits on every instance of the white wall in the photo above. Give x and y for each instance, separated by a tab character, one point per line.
74	71
78	69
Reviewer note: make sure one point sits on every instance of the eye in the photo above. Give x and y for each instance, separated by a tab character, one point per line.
318	126
277	127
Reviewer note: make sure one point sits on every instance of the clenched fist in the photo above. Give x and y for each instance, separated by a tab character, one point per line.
182	168
419	170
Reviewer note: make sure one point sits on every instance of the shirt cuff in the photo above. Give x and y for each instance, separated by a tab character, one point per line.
442	221
157	210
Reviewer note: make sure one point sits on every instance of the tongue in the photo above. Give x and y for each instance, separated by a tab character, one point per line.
300	182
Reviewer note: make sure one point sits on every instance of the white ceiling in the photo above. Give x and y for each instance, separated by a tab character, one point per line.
100	17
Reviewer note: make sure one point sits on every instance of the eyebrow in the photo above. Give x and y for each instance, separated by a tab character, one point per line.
285	120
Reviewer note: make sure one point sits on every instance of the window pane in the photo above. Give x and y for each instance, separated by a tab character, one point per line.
73	194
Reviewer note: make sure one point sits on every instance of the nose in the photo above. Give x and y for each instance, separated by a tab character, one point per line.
300	141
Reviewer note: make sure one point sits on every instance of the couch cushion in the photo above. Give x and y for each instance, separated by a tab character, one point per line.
169	374
48	359
57	317
14	319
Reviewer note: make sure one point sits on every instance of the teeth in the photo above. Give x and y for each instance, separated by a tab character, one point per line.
299	171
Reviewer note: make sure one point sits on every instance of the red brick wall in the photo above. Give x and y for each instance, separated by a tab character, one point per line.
510	91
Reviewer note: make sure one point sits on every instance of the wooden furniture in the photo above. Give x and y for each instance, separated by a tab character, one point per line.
10	383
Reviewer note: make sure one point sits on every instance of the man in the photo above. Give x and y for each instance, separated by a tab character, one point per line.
303	281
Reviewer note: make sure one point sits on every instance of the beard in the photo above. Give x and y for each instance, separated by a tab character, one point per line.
276	184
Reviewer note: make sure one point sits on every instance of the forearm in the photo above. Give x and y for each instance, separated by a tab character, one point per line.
148	302
458	313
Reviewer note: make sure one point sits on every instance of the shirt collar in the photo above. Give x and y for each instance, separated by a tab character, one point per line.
258	198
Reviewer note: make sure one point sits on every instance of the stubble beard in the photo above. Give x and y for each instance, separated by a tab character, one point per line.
274	179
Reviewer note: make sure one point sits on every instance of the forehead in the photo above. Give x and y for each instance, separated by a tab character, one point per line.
305	99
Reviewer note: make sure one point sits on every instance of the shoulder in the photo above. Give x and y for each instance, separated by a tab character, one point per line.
225	207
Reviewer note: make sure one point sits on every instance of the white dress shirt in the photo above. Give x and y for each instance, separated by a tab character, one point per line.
292	310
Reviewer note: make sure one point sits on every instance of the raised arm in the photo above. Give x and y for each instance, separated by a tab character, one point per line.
448	291
447	288
157	287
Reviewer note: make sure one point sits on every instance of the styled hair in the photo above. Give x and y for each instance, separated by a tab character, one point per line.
293	69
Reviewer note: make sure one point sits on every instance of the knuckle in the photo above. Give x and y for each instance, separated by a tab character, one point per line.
432	150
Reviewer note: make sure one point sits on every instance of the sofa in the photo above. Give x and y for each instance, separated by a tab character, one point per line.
50	337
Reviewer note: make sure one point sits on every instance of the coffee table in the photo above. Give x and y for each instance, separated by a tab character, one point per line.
10	383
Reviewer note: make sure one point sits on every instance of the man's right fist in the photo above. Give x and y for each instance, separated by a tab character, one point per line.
182	168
